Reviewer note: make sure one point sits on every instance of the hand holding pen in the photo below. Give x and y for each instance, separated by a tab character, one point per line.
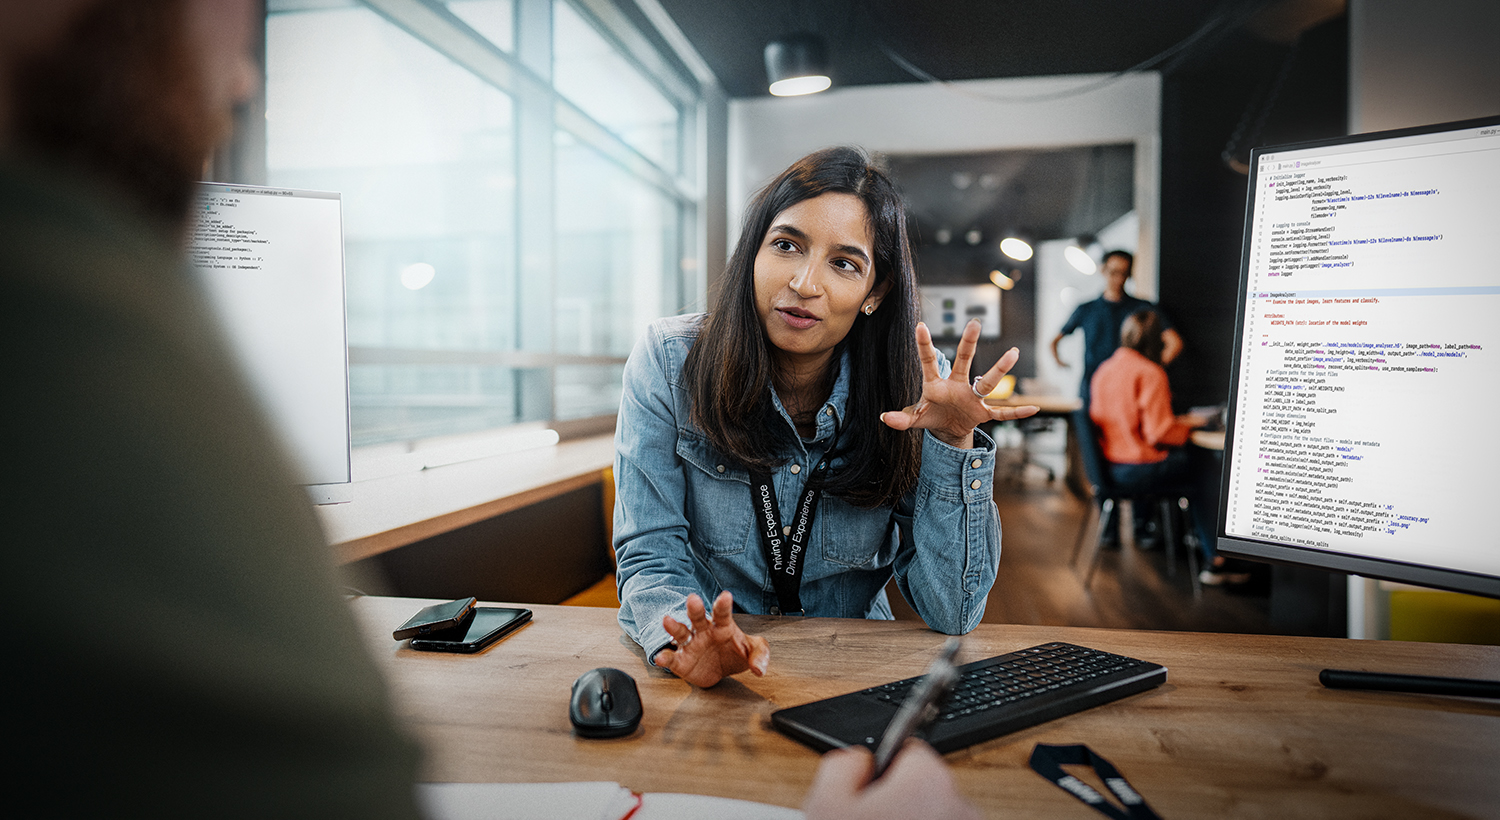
916	782
919	708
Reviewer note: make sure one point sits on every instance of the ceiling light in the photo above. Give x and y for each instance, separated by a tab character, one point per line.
1080	259
973	237
1016	249
797	64
1002	281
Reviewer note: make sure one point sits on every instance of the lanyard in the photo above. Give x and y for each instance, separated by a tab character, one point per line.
1048	761
785	547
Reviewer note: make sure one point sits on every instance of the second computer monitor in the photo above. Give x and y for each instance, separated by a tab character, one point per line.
1363	435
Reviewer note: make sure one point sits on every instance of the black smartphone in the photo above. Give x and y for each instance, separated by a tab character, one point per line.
437	618
490	624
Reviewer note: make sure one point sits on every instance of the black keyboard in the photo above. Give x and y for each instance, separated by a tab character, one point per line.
992	697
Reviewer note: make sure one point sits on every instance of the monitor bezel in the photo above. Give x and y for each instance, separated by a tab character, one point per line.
1239	546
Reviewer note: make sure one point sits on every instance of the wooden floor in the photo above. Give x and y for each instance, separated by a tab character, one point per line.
1039	584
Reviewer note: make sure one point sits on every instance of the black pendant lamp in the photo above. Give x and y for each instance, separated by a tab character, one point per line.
797	64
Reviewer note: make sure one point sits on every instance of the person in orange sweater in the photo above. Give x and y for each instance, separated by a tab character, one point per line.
1131	403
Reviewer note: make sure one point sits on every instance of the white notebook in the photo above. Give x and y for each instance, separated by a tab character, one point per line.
581	801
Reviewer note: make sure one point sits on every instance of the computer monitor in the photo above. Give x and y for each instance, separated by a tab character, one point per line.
1367	359
272	262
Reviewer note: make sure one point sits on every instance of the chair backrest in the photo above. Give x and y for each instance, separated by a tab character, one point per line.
1094	465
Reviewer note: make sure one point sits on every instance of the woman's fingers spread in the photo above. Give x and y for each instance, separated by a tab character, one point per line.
724	607
1013	413
1002	367
697	615
760	654
896	420
967	344
926	352
676	629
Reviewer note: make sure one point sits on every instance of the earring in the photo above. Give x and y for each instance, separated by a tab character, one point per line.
869	308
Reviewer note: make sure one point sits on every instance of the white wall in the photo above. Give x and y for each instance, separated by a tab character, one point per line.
766	134
1059	289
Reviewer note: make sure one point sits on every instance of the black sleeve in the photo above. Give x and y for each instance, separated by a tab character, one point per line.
177	643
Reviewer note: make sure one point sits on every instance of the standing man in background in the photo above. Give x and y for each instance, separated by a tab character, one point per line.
1102	317
176	644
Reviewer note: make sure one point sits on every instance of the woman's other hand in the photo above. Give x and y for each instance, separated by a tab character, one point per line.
951	408
711	647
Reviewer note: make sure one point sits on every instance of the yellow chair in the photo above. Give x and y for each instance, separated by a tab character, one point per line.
604	592
1444	617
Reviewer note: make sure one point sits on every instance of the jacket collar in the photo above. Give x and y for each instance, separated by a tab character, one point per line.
838	402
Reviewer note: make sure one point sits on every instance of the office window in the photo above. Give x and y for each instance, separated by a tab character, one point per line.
463	314
598	78
617	246
494	19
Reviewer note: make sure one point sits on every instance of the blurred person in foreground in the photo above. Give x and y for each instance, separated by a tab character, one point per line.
177	644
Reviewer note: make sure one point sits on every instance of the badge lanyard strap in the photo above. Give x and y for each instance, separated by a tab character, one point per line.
786	547
1048	761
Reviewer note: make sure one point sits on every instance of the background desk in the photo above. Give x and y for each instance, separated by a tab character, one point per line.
396	510
1049	408
521	526
1241	728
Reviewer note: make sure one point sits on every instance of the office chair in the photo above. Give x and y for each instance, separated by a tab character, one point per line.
603	593
1029	428
1105	496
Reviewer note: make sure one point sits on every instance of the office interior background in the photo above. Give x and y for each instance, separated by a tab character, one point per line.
528	183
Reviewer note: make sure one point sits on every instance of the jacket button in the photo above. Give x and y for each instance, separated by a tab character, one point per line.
720	468
796	468
975	485
975	463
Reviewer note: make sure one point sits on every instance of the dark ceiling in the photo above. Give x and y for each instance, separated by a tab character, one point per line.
972	39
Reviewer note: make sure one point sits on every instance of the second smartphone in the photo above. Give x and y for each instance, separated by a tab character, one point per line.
489	624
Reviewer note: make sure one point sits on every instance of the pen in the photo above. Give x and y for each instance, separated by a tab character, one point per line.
919	708
1418	684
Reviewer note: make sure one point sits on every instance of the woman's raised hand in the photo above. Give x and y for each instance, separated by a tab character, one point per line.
711	647
951	408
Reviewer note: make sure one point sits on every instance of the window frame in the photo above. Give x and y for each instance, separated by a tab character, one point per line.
525	73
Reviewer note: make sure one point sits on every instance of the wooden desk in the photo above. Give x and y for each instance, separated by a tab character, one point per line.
1241	728
396	510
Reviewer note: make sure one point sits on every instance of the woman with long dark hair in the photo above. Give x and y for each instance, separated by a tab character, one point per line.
761	460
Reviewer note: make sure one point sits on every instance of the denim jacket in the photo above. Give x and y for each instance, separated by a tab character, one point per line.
684	521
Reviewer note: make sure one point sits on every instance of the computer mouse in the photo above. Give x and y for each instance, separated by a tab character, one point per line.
605	704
